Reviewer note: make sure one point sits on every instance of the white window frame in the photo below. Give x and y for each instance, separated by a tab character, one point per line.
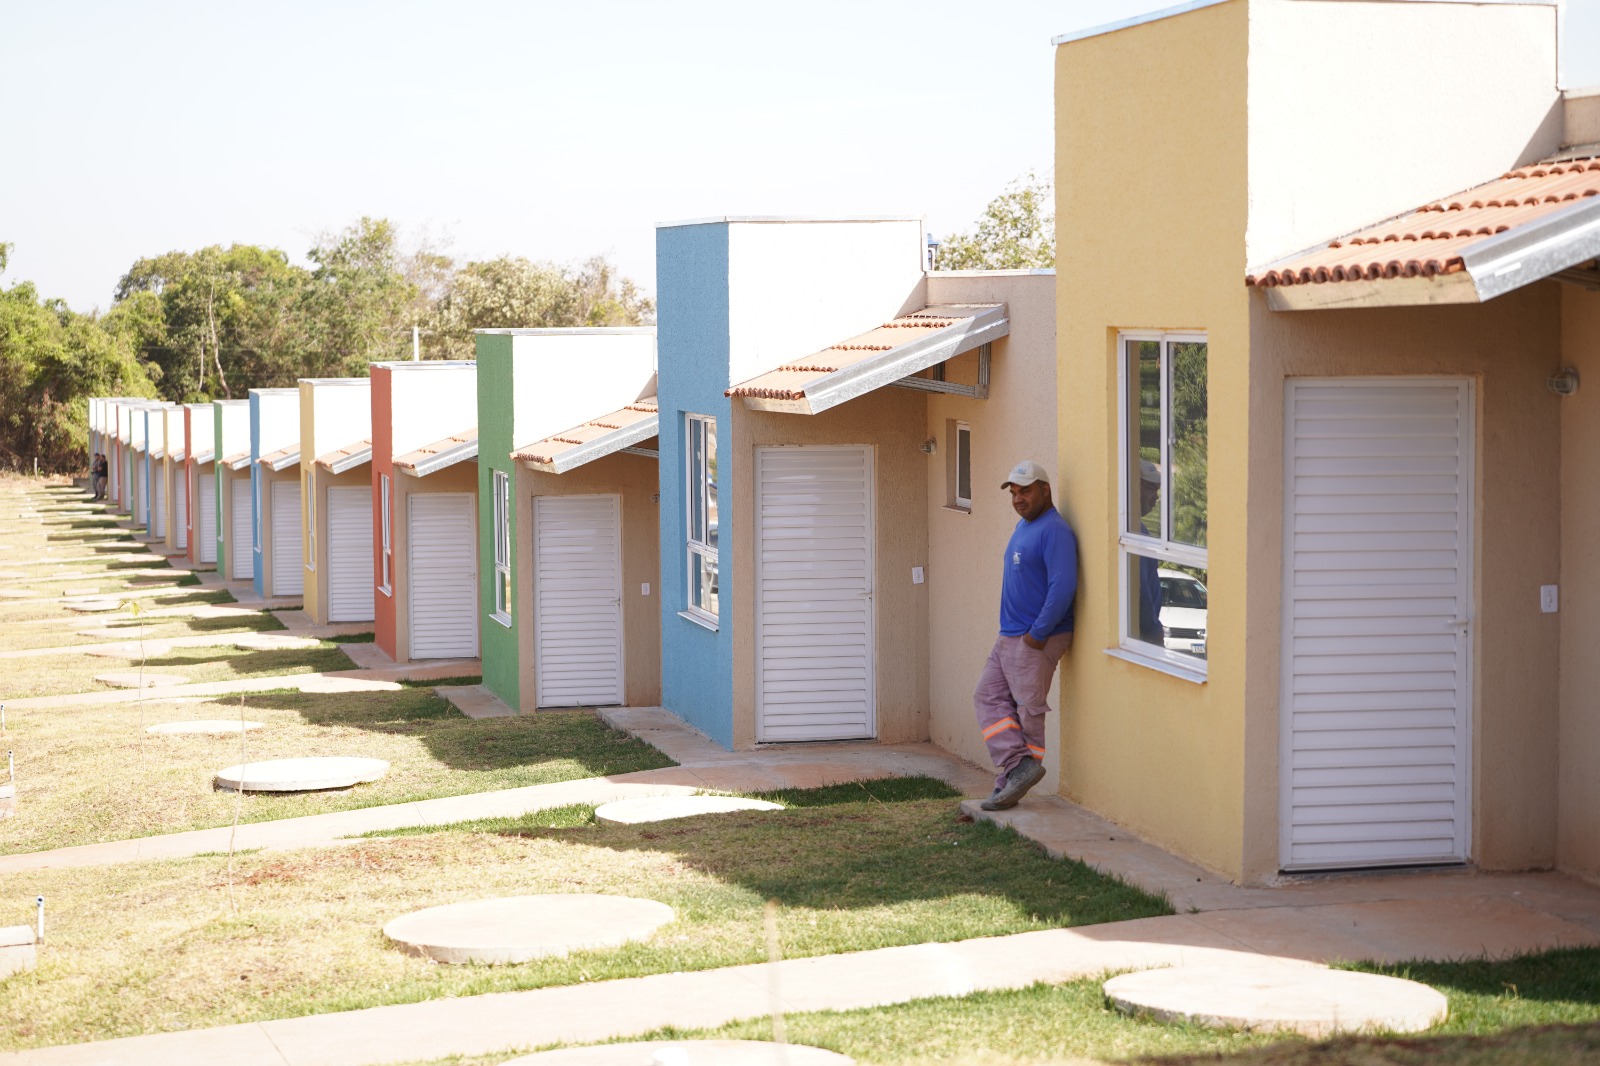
697	483
958	454
311	523
502	548
1159	546
386	554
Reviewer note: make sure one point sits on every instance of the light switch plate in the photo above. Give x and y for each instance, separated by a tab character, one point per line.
916	575
644	589
1549	598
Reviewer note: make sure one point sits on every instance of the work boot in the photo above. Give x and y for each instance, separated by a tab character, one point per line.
1019	779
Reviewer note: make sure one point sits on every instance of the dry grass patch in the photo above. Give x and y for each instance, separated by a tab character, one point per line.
57	675
91	773
154	946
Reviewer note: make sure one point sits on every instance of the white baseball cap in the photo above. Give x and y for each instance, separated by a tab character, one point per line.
1024	474
1149	472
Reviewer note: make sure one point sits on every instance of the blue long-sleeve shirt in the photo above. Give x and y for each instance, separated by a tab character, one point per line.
1040	578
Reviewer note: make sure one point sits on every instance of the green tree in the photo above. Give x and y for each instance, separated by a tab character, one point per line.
52	360
359	306
1017	231
513	292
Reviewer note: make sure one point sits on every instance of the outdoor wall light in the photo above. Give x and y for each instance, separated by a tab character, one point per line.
1563	382
930	446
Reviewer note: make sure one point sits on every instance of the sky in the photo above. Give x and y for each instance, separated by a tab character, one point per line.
550	129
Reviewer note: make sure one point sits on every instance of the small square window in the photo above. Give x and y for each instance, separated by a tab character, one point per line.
700	495
386	555
502	546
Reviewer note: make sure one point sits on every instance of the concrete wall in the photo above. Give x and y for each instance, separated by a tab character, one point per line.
891	423
1160	754
1578	795
795	287
1507	346
497	640
274	424
1360	111
1017	421
171	473
633	477
199	432
692	339
462	477
334	412
230	434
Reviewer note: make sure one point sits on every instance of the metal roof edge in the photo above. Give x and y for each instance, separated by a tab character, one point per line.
348	461
421	364
278	465
881	369
1535	250
1021	272
441	460
712	220
600	447
202	458
568	331
1137	20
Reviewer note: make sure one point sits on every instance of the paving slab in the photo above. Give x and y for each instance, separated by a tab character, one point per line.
513	929
687	1053
1315	1003
272	642
475	701
136	679
300	775
376	663
298	622
130	649
348	681
17	594
667	808
93	606
211	726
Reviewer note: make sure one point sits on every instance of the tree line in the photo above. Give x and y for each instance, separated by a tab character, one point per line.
214	323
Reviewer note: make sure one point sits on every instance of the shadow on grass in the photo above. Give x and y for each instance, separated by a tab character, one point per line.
1565	975
1545	1045
462	743
257	663
868	844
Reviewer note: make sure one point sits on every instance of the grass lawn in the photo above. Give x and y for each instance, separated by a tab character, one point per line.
66	636
13	614
56	675
148	947
1541	1009
91	773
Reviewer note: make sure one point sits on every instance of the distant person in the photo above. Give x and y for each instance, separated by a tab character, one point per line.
1150	629
1038	582
99	469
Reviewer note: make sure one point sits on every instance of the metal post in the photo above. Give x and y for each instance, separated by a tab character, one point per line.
416	343
39	901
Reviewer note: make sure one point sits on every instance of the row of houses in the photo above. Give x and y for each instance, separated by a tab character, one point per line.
777	514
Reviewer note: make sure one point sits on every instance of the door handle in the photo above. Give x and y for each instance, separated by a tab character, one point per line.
1459	624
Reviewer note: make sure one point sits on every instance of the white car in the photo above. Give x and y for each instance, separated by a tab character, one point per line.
1183	612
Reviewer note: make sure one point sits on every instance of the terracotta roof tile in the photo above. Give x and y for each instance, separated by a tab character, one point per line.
275	459
788	381
412	459
237	458
1429	241
546	452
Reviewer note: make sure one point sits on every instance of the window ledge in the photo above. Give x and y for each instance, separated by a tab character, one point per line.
503	619
386	590
700	620
957	508
1164	666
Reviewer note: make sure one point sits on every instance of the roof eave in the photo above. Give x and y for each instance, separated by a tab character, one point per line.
441	460
602	446
240	463
885	368
1493	266
347	462
280	464
202	458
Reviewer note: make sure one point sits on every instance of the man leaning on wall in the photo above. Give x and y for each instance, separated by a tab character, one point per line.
1039	579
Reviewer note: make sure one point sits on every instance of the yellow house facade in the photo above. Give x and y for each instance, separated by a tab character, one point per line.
1368	481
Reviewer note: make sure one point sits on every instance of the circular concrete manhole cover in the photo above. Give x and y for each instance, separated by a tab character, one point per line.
300	775
519	928
666	808
140	679
273	642
212	726
1312	1001
687	1053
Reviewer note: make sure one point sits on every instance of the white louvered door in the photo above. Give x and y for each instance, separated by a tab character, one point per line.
349	554
814	579
206	518
158	505
1376	702
442	574
577	600
241	560
288	550
180	507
